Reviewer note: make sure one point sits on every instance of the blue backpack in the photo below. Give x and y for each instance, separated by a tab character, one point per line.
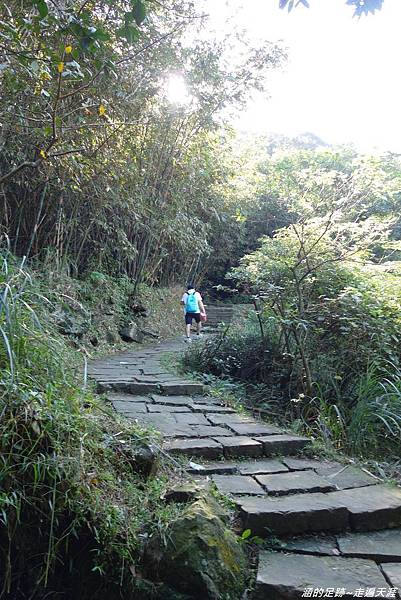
191	305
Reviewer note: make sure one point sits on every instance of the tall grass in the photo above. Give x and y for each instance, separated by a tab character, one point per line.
375	418
35	395
73	510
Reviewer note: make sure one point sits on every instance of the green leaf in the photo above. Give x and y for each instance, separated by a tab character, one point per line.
42	8
100	35
129	32
129	17
245	534
139	11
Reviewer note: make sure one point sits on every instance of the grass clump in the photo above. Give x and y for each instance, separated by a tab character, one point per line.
75	510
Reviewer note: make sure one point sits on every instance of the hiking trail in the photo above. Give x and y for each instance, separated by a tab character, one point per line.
333	527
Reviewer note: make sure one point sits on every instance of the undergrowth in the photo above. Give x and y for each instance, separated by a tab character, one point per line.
75	509
357	411
91	311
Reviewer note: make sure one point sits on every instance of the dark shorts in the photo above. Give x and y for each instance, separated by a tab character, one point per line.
190	316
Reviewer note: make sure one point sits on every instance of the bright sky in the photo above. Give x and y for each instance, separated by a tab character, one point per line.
342	81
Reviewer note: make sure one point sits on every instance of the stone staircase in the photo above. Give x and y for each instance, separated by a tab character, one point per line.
346	522
218	314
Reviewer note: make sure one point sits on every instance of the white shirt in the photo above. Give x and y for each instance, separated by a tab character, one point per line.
185	296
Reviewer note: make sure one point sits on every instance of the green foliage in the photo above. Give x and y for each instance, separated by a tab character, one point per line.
375	419
73	510
101	169
326	318
238	354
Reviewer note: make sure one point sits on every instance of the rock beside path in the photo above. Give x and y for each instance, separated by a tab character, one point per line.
201	557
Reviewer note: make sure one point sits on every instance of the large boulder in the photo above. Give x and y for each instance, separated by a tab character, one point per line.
71	323
200	556
131	333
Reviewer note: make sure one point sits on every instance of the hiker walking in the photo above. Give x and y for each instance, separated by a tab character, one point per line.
193	309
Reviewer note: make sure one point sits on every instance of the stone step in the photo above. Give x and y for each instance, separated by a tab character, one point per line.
167	388
283	444
236	446
288	576
206	448
361	509
382	546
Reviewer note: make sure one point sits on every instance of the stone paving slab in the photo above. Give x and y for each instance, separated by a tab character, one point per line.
137	389
381	546
240	446
117	378
343	476
312	544
285	576
202	447
167	408
254	429
182	388
261	466
172	400
147	379
209	431
180	431
128	398
379	507
303	464
167	425
108	370
190	418
158	420
283	444
197	399
392	572
292	483
216	467
228	419
238	484
131	409
210	408
349	477
300	513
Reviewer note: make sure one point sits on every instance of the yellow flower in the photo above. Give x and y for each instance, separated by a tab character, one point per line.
102	110
42	154
60	67
68	49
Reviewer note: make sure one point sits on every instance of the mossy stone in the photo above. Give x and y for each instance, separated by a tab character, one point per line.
202	557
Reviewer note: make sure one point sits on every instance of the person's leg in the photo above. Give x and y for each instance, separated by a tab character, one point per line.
188	323
198	324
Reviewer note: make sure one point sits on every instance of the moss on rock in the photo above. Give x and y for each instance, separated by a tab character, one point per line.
201	557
